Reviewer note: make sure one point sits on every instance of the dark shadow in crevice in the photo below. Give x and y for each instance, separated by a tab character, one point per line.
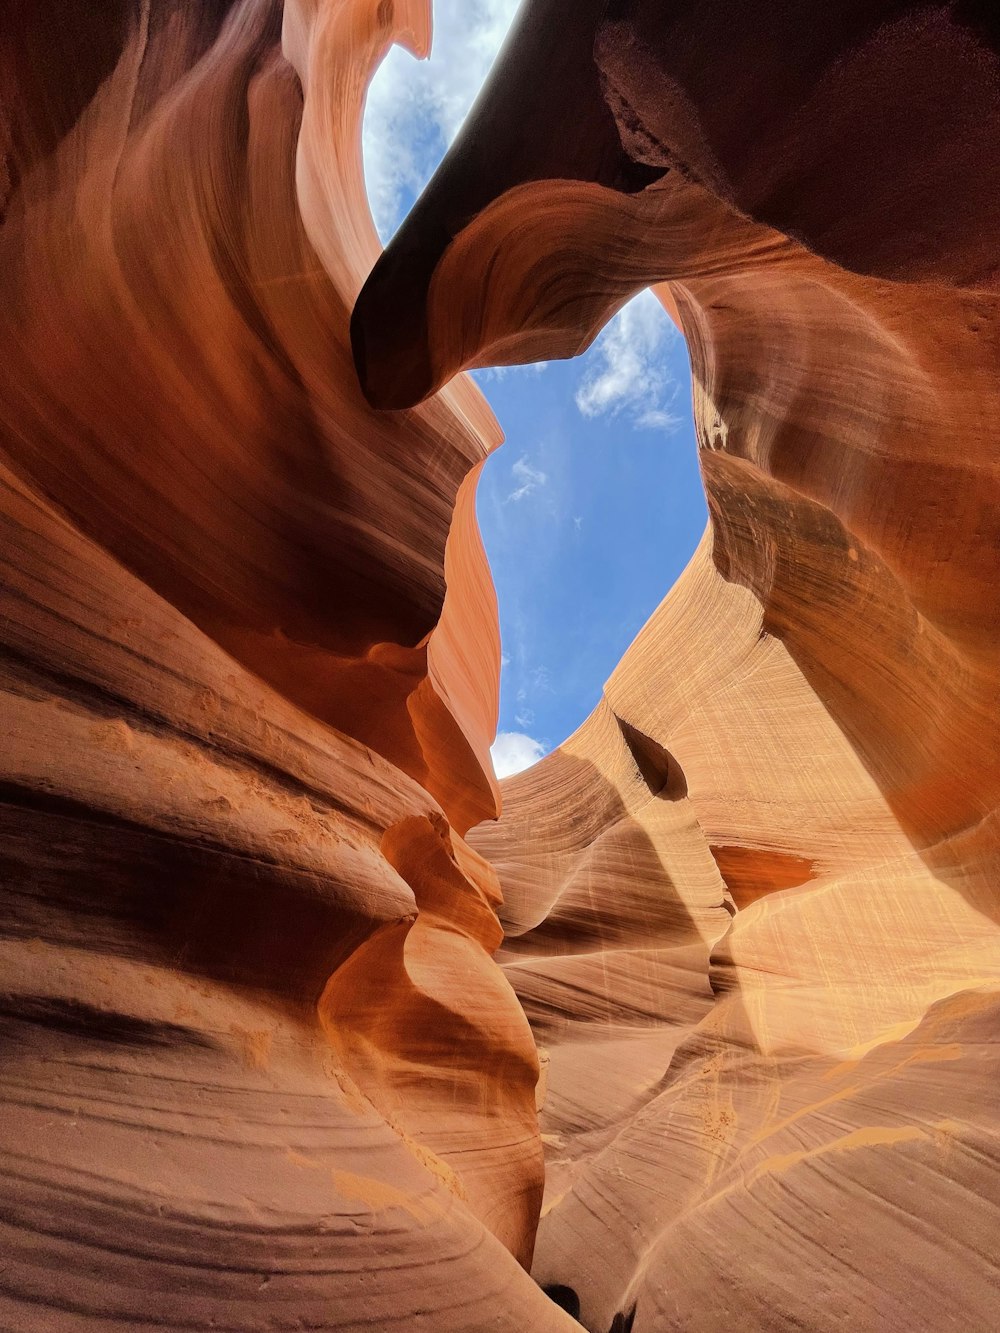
30	1018
565	1297
661	772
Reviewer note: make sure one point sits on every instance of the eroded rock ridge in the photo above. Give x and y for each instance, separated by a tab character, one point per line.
269	1060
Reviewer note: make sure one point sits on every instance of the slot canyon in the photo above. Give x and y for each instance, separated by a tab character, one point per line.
306	1022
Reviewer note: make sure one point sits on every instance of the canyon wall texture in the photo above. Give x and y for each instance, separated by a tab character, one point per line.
751	907
261	1069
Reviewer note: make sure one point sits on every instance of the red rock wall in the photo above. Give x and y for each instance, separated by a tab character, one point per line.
259	1069
751	906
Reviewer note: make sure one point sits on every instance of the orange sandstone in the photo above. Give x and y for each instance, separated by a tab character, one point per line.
751	906
261	1069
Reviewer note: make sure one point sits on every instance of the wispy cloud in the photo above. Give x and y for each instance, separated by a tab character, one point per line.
528	477
628	371
488	373
541	679
414	110
513	752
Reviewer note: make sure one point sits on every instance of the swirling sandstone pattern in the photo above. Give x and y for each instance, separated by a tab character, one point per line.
259	1069
752	905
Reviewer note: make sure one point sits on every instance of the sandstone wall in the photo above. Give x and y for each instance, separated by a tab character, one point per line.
259	1069
751	906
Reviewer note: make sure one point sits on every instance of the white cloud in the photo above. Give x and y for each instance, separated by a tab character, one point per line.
541	679
513	752
530	478
657	419
627	370
414	110
488	373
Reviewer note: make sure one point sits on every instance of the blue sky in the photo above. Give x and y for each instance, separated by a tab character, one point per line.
593	506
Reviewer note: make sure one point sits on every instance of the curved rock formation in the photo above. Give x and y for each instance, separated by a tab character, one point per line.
751	906
259	1069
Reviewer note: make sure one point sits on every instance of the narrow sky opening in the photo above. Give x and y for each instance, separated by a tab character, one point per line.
594	505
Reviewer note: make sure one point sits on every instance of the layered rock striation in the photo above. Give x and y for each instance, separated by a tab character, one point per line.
267	1060
259	1068
751	906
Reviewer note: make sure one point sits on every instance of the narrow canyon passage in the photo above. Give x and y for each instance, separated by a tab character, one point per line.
306	1021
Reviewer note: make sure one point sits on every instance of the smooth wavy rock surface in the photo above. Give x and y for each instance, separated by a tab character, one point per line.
259	1069
752	907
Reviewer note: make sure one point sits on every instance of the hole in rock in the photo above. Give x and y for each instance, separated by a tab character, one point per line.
593	506
660	770
565	1297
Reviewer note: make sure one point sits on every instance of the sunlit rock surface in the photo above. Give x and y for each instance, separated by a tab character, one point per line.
259	1068
752	905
